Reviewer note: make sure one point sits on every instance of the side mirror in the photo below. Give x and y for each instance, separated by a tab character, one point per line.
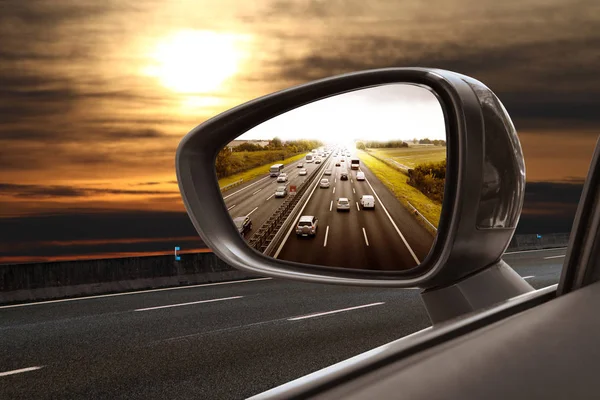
478	196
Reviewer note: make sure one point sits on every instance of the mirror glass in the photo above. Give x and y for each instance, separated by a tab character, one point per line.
353	181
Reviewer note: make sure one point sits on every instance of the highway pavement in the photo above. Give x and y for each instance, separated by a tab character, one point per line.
227	340
385	238
256	198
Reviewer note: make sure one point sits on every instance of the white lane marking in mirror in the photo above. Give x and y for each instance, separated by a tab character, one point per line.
247	215
529	277
20	371
549	257
353	191
326	234
256	191
270	197
365	233
357	207
412	253
331	205
334	189
315	185
231	207
242	189
189	304
335	311
335	180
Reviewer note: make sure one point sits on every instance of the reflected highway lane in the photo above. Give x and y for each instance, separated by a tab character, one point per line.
386	237
224	341
256	198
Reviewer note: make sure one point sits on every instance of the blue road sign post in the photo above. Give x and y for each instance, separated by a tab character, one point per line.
177	256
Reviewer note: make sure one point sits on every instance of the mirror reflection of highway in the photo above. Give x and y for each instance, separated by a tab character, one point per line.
256	198
387	237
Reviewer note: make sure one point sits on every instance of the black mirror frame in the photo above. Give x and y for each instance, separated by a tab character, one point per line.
460	248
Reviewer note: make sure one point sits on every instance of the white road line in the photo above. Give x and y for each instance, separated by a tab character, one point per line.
231	207
326	234
334	189
335	180
270	197
412	253
242	189
351	180
136	292
256	208
299	213
20	371
331	205
334	311
365	233
357	207
529	277
533	251
188	304
256	191
549	257
353	191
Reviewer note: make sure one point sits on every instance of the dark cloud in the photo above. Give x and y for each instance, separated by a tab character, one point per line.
44	192
550	207
534	80
96	231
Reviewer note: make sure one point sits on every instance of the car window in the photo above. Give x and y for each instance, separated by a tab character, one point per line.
96	97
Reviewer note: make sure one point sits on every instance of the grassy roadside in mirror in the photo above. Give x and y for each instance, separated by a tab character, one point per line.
257	171
396	181
410	157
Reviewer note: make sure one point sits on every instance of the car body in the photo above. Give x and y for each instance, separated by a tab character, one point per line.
282	177
318	161
300	165
327	172
367	201
281	191
307	225
337	164
302	172
508	339
324	183
342	160
360	176
342	204
243	224
344	175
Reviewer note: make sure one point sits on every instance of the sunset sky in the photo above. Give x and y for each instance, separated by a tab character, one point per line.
95	96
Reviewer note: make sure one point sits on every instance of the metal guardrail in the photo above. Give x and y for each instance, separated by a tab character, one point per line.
227	187
271	232
422	216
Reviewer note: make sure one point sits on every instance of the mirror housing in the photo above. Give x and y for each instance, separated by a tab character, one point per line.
483	197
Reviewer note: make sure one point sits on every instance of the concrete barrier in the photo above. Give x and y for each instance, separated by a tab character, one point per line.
54	280
538	242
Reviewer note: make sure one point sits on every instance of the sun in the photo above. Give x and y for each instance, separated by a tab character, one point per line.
197	61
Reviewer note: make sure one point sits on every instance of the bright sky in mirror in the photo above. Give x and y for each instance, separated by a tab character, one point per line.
196	61
387	112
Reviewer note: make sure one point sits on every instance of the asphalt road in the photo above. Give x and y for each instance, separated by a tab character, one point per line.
385	238
224	341
256	198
